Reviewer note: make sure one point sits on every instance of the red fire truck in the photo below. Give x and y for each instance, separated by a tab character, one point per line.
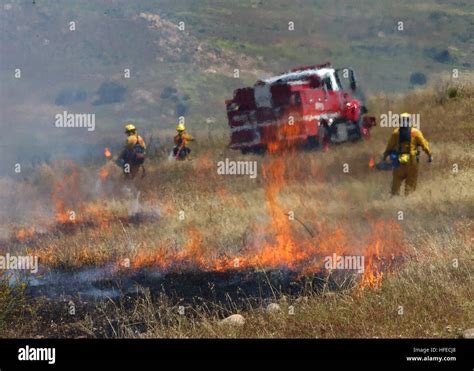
305	105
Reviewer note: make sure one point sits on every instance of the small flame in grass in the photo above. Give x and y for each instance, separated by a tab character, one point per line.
25	233
372	277
107	152
65	190
103	173
371	163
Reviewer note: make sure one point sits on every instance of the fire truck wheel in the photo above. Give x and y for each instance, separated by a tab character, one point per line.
323	136
312	142
254	151
360	123
356	132
244	151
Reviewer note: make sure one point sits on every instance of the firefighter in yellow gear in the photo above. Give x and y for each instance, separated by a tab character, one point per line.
133	154
403	146
181	150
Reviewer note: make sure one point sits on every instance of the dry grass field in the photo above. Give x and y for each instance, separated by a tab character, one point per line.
214	223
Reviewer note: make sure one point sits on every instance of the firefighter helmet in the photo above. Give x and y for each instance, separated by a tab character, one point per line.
130	128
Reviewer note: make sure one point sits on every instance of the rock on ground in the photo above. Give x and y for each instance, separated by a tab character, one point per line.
234	319
468	334
273	308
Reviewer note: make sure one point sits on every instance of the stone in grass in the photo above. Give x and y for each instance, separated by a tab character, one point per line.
273	308
234	320
468	334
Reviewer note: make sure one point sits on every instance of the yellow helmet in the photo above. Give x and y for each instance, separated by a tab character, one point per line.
180	127
404	119
129	128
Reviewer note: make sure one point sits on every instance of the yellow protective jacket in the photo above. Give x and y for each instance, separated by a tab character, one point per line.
182	139
416	140
132	141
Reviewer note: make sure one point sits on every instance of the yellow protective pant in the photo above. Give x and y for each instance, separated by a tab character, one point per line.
409	174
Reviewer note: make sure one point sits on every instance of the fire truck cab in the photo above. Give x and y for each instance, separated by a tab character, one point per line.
305	105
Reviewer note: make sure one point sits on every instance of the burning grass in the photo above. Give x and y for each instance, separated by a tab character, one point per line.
428	297
275	244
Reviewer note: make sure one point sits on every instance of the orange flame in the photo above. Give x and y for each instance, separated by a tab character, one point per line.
107	152
371	163
65	189
372	276
25	233
103	173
